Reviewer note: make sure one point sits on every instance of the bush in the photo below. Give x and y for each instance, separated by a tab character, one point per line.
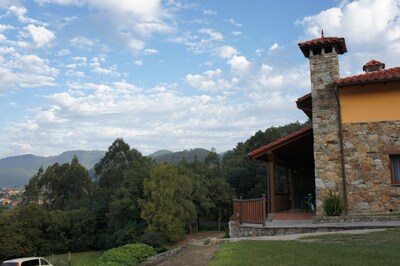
333	204
128	255
154	239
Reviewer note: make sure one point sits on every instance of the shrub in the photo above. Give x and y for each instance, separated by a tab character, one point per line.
154	239
128	255
333	204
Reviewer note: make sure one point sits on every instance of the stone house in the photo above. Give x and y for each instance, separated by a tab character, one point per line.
353	144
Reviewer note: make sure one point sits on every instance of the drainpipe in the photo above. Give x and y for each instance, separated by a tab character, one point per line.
342	151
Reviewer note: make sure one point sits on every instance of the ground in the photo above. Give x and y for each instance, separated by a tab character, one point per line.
196	250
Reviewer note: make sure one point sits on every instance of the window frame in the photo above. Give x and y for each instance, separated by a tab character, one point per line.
392	174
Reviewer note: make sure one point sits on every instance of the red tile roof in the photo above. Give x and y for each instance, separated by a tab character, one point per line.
278	143
373	63
387	75
322	42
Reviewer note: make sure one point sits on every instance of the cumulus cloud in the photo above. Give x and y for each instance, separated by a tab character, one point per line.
40	35
132	21
209	81
239	64
368	25
82	42
96	64
26	71
227	51
213	34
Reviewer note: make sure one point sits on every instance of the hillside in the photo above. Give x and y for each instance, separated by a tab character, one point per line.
176	157
17	170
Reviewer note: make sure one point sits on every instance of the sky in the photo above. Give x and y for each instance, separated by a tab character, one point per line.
169	74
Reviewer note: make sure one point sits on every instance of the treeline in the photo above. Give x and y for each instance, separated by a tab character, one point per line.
131	199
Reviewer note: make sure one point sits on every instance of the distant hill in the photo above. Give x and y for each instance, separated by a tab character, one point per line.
176	157
17	170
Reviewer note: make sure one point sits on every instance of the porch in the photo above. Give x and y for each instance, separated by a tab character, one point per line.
290	181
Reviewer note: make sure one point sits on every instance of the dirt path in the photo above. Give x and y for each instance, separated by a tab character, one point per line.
195	250
192	256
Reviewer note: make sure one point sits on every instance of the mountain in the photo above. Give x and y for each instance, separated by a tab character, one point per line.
17	170
176	157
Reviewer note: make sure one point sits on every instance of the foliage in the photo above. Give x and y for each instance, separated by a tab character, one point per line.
167	207
154	239
130	254
377	248
58	186
120	186
333	204
28	230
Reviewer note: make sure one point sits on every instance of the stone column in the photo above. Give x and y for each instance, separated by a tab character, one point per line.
324	70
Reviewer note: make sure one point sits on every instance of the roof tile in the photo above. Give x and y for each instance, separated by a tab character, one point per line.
373	63
324	41
390	74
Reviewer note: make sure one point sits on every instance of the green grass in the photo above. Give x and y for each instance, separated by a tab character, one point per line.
77	259
377	248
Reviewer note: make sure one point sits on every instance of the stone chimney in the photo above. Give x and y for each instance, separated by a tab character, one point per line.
324	70
373	65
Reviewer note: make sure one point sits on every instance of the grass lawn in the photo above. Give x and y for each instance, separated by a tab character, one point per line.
77	259
377	248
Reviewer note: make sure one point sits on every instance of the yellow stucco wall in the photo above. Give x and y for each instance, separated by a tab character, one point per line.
368	103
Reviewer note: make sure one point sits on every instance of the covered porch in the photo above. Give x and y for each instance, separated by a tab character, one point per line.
290	191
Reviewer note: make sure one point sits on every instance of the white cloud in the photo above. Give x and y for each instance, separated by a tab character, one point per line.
26	71
150	51
209	12
4	27
40	35
96	64
131	21
209	81
138	62
234	22
371	26
239	64
82	42
227	51
213	34
274	46
236	33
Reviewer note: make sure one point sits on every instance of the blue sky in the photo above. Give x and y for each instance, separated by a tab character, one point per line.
77	74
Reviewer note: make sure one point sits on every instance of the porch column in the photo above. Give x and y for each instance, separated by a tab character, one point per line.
271	184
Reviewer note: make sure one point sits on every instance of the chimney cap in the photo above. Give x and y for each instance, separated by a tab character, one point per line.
373	65
338	42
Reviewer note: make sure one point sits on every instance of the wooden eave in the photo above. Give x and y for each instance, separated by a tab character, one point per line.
264	153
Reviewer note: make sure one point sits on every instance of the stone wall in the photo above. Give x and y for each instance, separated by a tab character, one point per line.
367	166
324	70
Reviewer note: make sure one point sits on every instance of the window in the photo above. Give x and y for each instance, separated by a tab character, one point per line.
395	169
44	262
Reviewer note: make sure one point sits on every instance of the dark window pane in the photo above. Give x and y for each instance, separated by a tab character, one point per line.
396	168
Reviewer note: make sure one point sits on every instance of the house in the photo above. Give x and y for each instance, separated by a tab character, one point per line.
353	144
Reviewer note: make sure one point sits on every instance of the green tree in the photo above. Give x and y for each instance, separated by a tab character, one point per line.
120	185
167	207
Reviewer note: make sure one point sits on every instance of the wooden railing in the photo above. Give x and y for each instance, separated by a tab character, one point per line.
250	210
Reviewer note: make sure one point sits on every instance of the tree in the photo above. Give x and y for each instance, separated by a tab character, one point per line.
167	207
120	186
32	190
221	196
